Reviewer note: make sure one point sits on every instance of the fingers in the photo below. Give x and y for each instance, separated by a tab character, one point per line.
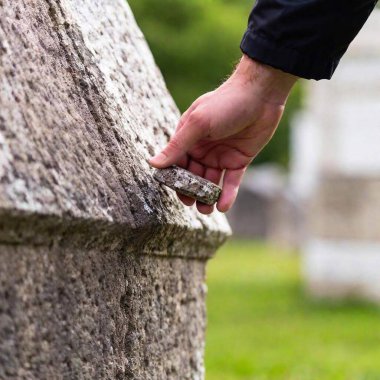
185	116
205	209
213	175
231	183
187	201
183	161
196	168
192	131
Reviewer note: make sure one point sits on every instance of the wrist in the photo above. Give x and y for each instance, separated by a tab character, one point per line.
271	84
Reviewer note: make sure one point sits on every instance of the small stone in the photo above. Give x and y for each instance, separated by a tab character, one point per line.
189	184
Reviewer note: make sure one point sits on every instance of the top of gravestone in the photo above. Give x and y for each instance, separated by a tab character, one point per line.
83	106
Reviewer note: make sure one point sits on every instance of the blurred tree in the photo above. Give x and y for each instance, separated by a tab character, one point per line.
196	45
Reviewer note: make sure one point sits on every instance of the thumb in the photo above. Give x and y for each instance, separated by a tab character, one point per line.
182	141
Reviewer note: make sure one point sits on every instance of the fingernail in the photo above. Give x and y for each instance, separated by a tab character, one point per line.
158	159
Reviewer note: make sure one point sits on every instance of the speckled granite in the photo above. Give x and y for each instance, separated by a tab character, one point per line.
187	183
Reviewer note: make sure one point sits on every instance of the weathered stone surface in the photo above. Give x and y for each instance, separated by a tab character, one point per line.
187	183
102	269
68	313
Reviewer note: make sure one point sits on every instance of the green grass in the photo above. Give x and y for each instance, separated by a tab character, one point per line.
261	325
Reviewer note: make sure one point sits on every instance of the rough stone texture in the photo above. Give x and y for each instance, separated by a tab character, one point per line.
102	269
187	183
75	314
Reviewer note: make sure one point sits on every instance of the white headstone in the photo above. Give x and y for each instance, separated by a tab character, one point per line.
336	172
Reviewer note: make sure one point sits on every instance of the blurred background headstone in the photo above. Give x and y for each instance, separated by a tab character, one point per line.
266	208
336	173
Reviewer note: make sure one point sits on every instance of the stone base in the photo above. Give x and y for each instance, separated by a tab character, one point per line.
342	269
67	313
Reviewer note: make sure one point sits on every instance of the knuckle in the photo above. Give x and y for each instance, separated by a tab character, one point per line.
194	118
175	144
198	120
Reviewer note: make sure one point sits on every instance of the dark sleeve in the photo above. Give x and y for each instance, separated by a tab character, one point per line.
306	38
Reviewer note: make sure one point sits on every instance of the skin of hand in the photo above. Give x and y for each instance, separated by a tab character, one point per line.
224	130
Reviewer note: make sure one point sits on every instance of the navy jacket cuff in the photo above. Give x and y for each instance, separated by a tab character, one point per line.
309	65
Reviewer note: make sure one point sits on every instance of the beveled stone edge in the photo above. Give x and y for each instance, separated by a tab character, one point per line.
18	227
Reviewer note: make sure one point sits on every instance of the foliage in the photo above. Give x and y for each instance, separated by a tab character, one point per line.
196	45
261	326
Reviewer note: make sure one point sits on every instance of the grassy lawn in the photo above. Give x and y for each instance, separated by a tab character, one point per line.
261	325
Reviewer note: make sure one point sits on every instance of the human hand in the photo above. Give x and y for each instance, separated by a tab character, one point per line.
223	130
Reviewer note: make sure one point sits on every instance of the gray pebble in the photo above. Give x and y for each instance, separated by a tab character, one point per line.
187	183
